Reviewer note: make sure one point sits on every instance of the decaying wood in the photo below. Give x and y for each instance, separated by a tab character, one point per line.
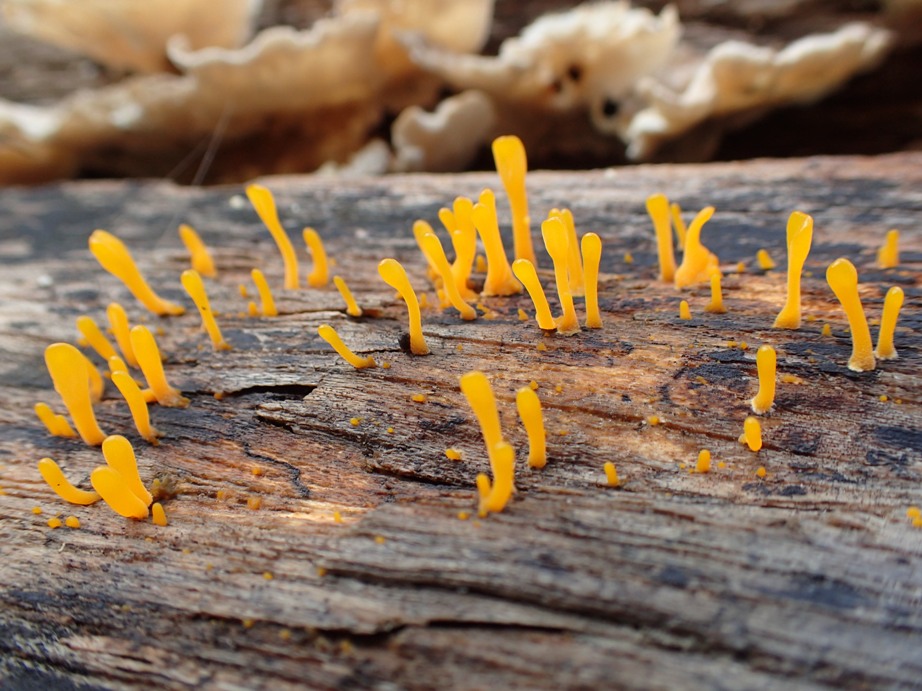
810	576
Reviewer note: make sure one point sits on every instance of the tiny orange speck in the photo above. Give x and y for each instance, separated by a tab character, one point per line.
761	472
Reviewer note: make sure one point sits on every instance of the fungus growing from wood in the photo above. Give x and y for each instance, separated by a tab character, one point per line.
697	262
57	425
764	260
611	474
137	404
265	294
264	203
716	305
320	274
592	257
463	240
703	464
115	258
68	370
199	254
395	276
328	334
512	165
352	307
148	354
524	270
766	361
684	311
72	522
503	485
479	394
843	279
888	256
752	433
529	407
193	284
658	208
52	474
118	321
158	515
94	337
433	250
892	304
554	233
499	280
118	482
799	238
574	260
675	212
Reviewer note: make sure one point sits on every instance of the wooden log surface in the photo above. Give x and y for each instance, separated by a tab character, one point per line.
809	577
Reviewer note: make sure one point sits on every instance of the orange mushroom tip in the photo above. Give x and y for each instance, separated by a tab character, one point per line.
145	348
843	279
118	482
766	361
393	273
264	203
71	377
320	275
328	334
200	257
658	209
54	476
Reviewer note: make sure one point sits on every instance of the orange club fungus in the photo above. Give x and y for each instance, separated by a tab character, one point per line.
592	257
192	282
684	311
512	165
658	208
115	258
137	404
799	238
121	329
764	260
57	425
265	294
479	394
95	338
888	256
433	249
529	407
611	474
198	252
499	492
395	276
703	464
264	203
352	307
524	270
716	305
675	213
556	242
843	279
118	482
320	274
574	260
752	433
464	241
68	370
499	280
328	334
766	361
148	354
892	304
697	261
52	474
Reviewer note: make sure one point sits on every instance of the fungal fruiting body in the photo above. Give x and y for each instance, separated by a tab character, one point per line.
799	238
57	425
94	379
684	310
499	280
888	256
352	307
696	259
529	406
512	165
843	279
265	294
524	270
118	322
198	252
766	361
68	370
115	258
716	305
420	228
192	282
433	249
148	354
764	260
703	464
395	276
328	334
752	433
574	260
555	241
133	396
503	485
96	339
592	257
51	473
320	274
264	203
158	515
611	474
464	241
118	482
675	212
892	304
479	394
658	208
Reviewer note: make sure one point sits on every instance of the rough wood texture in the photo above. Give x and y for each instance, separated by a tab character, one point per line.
810	577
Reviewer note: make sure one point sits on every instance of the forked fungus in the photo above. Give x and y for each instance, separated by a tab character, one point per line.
68	370
696	259
352	307
658	208
592	257
512	165
524	270
395	276
529	407
799	238
320	274
148	354
51	473
115	258
118	482
892	304
57	425
265	294
328	334
192	282
264	203
499	280
574	260
766	362
198	252
556	242
464	242
843	279
888	256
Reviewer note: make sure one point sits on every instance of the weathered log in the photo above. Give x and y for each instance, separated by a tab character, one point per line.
807	577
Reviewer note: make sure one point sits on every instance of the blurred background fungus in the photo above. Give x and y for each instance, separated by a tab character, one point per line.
212	91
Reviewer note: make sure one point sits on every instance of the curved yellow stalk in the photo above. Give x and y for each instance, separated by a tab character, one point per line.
716	305
696	258
611	474
68	370
265	294
574	260
395	276
512	165
131	392
352	307
684	310
199	255
675	212
320	274
193	284
843	279
555	241
658	208
112	488
121	329
94	380
499	280
479	394
766	362
888	256
52	474
57	425
592	257
525	272
97	340
799	239
503	478
433	250
464	241
264	203
529	407
158	515
119	455
752	433
328	334
892	304
148	354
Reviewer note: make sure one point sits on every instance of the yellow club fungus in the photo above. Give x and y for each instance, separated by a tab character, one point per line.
328	334
524	270
95	380
51	473
118	482
523	316
420	228
433	250
464	242
72	522
799	238
703	464
675	213
592	256
118	322
658	208
752	433
252	309
320	274
148	354
137	405
68	370
192	282
766	361
453	454
696	259
264	203
684	310
628	258
479	394
888	256
119	455
574	260
716	305
95	338
892	304
54	523
503	479
158	515
395	276
115	258
512	165
529	407
499	280
265	295
611	474
843	279
116	364
826	330
554	233
57	425
761	472
352	307
198	252
764	260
